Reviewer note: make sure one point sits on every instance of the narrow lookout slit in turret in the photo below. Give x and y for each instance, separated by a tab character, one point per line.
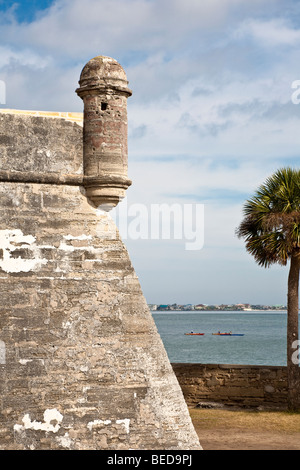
103	106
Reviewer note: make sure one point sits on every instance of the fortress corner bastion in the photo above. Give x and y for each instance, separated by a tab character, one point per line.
82	366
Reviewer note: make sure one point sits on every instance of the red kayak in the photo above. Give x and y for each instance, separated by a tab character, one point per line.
227	334
194	334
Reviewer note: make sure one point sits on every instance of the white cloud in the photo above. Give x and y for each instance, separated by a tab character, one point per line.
238	119
115	26
23	57
271	32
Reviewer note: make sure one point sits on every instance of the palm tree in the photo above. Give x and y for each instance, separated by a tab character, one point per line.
271	230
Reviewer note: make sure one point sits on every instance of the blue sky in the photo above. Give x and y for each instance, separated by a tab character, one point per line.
210	118
25	10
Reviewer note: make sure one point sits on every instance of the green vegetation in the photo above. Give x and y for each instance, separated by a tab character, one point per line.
271	230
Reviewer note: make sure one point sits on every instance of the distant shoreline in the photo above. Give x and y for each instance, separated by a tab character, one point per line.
219	310
216	308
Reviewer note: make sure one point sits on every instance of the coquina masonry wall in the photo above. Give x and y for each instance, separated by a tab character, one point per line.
81	363
233	385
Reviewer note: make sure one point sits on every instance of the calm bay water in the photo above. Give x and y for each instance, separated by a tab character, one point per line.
263	343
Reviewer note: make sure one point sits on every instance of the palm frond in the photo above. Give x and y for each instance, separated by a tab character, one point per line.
271	224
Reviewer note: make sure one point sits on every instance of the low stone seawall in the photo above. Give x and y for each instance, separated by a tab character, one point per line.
234	385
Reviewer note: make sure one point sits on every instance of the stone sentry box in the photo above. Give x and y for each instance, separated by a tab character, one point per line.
81	363
104	90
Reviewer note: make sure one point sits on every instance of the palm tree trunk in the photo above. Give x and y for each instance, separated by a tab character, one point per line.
293	369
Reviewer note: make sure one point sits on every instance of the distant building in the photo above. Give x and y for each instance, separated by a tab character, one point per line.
152	306
188	307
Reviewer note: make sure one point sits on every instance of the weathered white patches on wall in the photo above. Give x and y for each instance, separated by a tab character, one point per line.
65	441
125	422
12	240
23	362
81	243
50	416
99	422
2	353
80	237
69	247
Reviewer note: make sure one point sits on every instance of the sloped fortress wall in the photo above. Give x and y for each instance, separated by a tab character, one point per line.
81	363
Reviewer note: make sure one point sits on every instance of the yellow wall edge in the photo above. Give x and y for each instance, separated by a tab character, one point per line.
74	117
